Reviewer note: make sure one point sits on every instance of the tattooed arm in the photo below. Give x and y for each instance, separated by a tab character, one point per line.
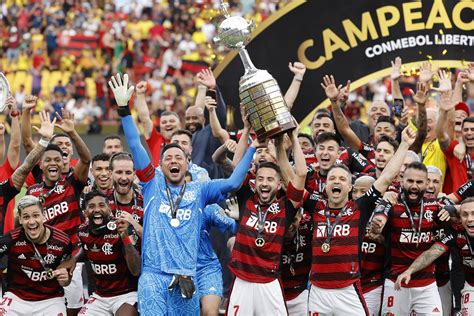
131	256
46	131
423	260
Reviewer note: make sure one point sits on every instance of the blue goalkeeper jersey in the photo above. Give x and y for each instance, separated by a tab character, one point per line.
213	216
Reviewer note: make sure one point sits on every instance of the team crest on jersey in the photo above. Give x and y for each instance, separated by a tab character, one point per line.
274	208
49	258
189	196
59	189
107	249
428	215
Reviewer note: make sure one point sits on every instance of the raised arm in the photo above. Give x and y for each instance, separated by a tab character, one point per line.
420	98
29	103
217	130
395	77
235	180
242	144
132	257
122	94
338	97
66	123
298	69
206	80
46	131
393	166
445	106
142	109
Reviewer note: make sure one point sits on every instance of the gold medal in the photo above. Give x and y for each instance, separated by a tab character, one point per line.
325	247
49	274
259	242
41	199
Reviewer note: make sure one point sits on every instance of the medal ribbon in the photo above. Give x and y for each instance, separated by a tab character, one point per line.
469	245
174	205
39	257
261	220
468	165
329	227
410	217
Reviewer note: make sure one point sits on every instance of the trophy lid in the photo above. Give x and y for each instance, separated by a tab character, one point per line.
234	31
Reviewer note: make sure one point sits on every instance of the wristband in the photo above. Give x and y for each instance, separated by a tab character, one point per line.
126	241
293	193
451	209
14	113
298	78
43	142
333	100
123	111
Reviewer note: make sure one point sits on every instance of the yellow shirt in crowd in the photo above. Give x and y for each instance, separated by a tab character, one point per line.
433	155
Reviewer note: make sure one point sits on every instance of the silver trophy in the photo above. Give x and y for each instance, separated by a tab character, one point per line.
4	91
258	90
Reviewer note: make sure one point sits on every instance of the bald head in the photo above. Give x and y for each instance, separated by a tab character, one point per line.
361	185
194	118
376	110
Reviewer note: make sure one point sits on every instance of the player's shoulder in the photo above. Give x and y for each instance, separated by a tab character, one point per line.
16	233
59	235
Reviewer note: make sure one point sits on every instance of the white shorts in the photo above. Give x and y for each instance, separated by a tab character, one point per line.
99	306
250	298
423	300
299	305
446	296
74	292
373	299
467	300
12	305
344	301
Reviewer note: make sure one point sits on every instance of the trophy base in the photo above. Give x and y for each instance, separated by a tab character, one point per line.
262	134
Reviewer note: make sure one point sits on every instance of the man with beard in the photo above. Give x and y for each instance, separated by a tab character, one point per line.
112	145
65	142
34	251
413	221
339	226
456	237
170	253
265	219
125	200
169	122
60	195
114	259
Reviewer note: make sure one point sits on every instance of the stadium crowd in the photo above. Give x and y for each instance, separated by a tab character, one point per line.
348	219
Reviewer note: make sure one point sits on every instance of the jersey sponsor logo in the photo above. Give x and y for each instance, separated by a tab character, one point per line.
339	230
83	234
315	196
104	268
20	243
56	210
368	247
446	239
181	214
270	227
54	247
107	249
22	256
298	257
111	236
410	237
37	189
36	276
359	159
464	188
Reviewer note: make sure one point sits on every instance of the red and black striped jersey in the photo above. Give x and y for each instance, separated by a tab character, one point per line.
339	267
296	259
356	163
407	243
372	264
368	151
106	254
135	207
61	207
7	193
26	276
261	264
316	183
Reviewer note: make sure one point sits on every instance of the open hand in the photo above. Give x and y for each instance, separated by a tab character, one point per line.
120	89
